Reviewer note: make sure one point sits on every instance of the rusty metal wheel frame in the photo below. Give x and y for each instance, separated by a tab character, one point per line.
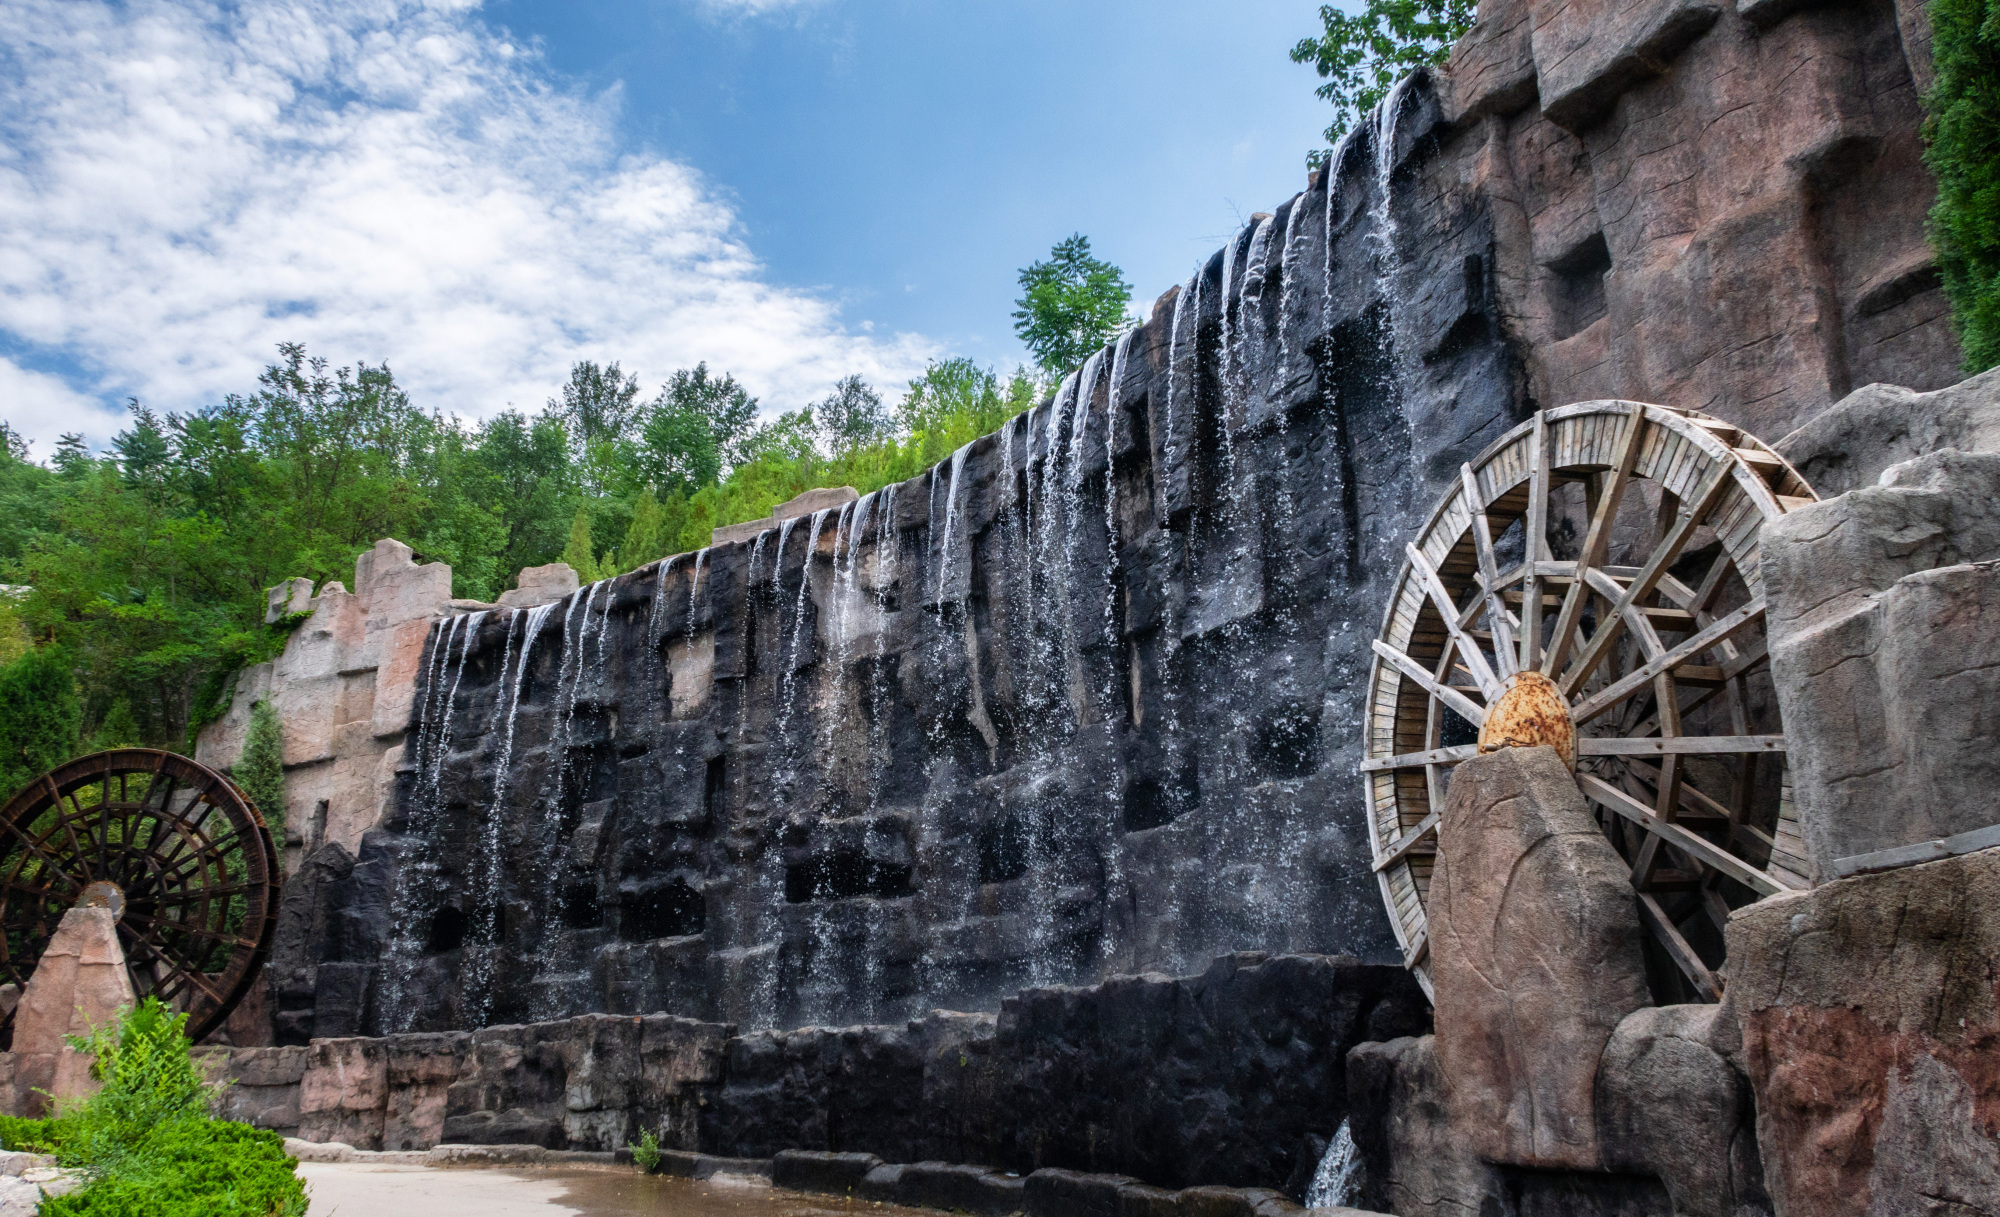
1647	677
191	859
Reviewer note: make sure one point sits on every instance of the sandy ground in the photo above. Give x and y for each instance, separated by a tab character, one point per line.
349	1189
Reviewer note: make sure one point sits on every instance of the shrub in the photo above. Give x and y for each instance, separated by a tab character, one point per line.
145	1142
646	1154
1962	137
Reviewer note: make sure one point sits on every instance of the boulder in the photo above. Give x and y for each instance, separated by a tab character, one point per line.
1535	958
1858	438
1884	633
1871	1032
540	585
1672	1107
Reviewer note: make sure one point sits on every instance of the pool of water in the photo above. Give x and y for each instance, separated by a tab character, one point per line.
370	1190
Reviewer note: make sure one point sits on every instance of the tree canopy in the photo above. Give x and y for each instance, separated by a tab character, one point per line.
1070	305
135	576
1362	55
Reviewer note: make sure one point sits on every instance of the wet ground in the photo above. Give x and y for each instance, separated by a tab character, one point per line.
345	1189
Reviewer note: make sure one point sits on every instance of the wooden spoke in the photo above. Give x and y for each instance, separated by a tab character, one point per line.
1597	703
1571	616
197	866
1537	544
1489	570
1458	702
1648	578
1667	676
1475	663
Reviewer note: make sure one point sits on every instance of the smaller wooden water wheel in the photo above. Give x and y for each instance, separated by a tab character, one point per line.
1639	655
173	847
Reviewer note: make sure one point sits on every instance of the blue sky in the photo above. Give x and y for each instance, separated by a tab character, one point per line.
481	193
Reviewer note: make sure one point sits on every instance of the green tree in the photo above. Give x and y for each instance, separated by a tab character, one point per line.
40	715
952	390
727	408
1070	305
1362	55
118	728
13	445
677	448
260	771
1962	135
578	552
647	537
599	409
850	417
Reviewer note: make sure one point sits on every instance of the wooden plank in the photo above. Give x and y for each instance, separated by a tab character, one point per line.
1680	745
1476	665
1722	630
1680	838
1489	577
1408	841
1417	760
1707	983
1445	693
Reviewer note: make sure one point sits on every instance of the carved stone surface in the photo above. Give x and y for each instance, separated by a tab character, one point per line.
1076	705
1871	1033
79	985
1535	957
1854	443
1885	649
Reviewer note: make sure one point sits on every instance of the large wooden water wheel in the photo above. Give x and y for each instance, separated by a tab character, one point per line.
173	847
1638	653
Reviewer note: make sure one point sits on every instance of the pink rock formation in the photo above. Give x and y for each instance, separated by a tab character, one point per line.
79	985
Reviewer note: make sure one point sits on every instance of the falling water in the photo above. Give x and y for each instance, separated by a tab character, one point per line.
1337	1182
1286	279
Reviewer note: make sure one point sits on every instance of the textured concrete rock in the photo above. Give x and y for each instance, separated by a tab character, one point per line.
540	585
287	599
1872	1036
79	985
1884	651
264	1083
1670	1106
1535	957
1853	443
1415	1160
1588	53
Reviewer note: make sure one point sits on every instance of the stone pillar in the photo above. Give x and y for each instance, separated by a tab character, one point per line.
79	984
1535	957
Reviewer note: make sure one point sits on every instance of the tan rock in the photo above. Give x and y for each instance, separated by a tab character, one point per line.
540	585
1535	950
1871	1031
79	984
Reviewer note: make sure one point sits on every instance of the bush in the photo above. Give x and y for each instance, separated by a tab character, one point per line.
1962	136
145	1142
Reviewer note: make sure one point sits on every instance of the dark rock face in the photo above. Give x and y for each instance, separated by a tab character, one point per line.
1221	1078
1082	700
1234	1077
1075	703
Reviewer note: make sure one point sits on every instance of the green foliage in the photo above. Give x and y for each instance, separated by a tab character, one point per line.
646	1154
581	557
40	716
1962	135
145	1141
1070	305
260	771
1362	55
851	417
147	564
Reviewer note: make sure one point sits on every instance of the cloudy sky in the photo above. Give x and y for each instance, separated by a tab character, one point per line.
480	194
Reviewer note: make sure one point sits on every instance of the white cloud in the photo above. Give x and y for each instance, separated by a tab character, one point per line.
183	185
44	407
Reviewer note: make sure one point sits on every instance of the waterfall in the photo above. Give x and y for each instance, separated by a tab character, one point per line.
1337	1182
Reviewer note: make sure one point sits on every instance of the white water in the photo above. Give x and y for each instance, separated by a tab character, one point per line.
1337	1182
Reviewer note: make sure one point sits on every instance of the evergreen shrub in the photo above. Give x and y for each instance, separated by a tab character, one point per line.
1962	138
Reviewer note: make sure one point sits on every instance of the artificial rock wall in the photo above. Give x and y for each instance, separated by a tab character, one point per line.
1082	700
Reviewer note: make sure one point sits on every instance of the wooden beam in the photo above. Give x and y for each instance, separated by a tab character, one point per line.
1405	843
1416	760
1721	631
1680	838
1707	983
1459	703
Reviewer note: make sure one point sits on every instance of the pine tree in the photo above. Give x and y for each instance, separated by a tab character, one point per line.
646	538
260	771
578	552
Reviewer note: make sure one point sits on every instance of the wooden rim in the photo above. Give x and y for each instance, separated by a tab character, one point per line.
188	853
1669	731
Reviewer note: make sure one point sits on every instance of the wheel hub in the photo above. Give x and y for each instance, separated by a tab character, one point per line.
1530	713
